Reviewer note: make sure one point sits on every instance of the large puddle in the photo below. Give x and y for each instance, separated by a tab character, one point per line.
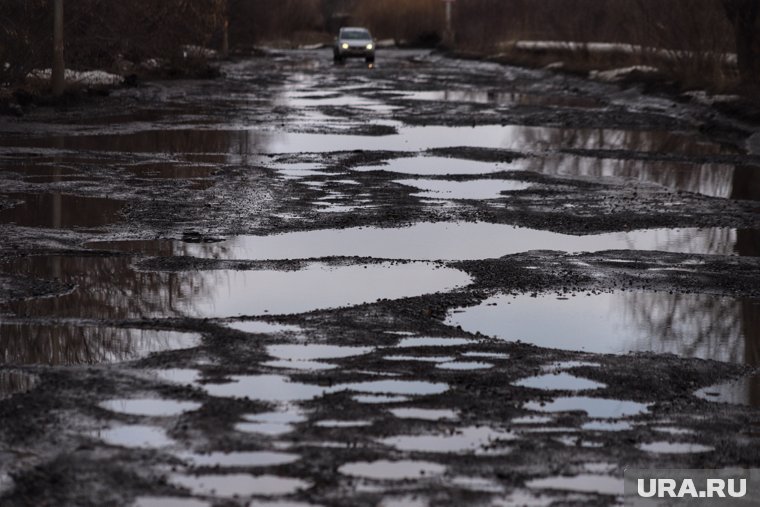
61	211
245	141
442	240
108	288
715	180
691	325
69	344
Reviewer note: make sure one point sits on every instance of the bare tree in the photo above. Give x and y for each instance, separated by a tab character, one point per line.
745	17
57	75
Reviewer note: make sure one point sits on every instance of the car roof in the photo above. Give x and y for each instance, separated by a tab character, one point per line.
354	29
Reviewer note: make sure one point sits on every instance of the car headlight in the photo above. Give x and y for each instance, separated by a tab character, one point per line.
370	46
344	45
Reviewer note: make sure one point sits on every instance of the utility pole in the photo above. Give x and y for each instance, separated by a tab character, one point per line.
57	75
226	30
448	34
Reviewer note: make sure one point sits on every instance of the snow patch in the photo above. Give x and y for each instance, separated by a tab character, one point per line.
89	77
622	73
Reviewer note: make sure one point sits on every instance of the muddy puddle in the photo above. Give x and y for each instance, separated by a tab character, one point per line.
690	325
60	211
714	180
475	189
500	98
741	391
72	344
245	141
109	288
14	382
439	240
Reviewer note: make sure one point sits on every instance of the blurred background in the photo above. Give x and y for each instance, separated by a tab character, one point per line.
711	44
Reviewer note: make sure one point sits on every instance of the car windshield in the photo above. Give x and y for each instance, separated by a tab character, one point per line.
355	35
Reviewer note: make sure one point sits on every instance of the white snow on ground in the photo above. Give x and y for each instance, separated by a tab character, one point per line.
608	47
89	77
702	97
619	74
190	51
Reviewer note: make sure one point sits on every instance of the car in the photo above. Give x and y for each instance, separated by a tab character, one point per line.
354	42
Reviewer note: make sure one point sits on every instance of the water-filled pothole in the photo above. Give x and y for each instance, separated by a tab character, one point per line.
692	325
392	470
475	189
151	407
583	483
742	391
239	459
134	436
470	439
69	344
236	485
61	211
559	382
595	408
14	382
440	240
108	288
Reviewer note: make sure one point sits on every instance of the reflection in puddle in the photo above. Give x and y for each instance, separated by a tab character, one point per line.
14	382
66	344
424	414
233	485
177	375
438	166
464	365
392	470
559	382
470	439
715	180
61	211
134	436
742	391
313	351
108	288
301	357
607	426
475	189
691	325
332	423
445	240
168	501
595	408
271	423
379	398
584	483
258	326
426	341
424	359
265	388
286	364
477	484
503	98
407	138
150	407
400	387
674	447
239	459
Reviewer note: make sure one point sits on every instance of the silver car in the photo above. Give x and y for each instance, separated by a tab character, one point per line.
354	42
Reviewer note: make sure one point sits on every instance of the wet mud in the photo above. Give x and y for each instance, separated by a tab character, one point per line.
430	282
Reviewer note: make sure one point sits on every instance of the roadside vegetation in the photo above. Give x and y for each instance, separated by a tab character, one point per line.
711	45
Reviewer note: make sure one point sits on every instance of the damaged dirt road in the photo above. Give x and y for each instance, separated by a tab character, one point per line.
431	282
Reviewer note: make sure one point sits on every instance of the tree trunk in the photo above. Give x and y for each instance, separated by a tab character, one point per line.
744	15
58	71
